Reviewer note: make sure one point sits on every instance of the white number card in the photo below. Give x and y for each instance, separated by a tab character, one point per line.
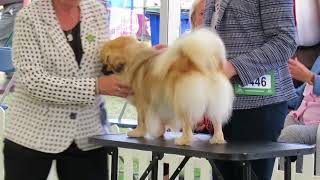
262	86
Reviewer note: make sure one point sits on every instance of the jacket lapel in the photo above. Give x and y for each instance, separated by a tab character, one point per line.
89	33
209	11
223	7
57	35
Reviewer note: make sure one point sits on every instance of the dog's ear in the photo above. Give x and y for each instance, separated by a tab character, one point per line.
104	54
114	63
118	62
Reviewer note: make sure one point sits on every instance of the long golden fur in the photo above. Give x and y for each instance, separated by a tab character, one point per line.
174	88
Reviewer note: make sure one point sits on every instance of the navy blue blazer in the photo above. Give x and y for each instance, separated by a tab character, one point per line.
259	36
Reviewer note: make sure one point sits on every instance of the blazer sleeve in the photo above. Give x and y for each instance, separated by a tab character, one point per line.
39	83
279	29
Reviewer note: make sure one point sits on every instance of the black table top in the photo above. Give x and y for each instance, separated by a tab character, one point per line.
200	147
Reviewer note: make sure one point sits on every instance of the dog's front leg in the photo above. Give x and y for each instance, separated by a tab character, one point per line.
186	137
140	130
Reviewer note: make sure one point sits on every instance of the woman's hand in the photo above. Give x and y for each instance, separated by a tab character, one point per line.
160	46
229	70
111	85
299	71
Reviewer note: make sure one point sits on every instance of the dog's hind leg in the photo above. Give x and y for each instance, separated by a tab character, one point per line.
218	137
160	131
155	127
186	137
140	130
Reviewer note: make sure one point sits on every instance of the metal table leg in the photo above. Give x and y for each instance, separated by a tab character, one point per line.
180	167
215	170
114	163
287	168
156	157
246	170
153	166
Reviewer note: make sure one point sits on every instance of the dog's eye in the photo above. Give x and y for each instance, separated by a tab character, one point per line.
119	68
106	70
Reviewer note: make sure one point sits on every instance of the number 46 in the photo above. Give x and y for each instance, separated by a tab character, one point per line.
260	81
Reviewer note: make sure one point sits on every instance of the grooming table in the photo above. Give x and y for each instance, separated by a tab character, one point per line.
236	151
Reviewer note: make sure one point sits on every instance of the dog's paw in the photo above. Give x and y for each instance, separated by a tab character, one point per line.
136	133
182	141
217	140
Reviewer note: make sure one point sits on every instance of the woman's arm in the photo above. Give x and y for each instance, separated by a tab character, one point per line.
279	29
302	73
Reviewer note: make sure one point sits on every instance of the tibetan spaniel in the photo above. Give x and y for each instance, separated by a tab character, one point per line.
174	87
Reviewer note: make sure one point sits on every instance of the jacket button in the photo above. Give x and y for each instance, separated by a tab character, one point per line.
73	115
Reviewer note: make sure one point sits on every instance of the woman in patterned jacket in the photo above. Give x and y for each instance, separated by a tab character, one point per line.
259	36
56	106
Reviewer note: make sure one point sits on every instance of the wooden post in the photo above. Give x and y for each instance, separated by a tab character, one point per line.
169	27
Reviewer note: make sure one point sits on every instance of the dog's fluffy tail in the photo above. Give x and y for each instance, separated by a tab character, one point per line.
202	47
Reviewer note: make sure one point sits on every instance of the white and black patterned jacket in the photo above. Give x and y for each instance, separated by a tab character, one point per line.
259	36
54	102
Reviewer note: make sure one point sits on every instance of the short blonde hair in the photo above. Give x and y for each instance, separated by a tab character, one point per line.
192	11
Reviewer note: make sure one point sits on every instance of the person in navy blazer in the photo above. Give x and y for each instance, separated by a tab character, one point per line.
259	36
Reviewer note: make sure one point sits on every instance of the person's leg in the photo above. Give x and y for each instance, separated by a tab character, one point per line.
7	21
266	125
6	27
82	165
303	134
260	124
291	121
21	163
288	122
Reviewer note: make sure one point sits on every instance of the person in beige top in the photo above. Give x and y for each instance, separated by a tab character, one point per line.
56	105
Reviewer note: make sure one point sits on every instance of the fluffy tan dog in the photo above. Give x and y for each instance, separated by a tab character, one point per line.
176	87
